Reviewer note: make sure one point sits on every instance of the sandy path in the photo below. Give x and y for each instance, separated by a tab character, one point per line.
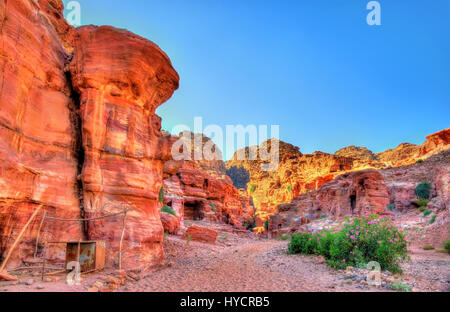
244	262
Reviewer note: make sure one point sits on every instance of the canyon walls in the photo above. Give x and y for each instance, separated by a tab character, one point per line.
299	174
121	79
39	148
80	136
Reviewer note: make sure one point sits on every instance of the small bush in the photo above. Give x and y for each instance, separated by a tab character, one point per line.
428	247
188	239
433	218
252	188
446	246
289	188
168	210
266	225
391	207
400	286
161	195
213	207
422	202
419	161
423	190
422	209
426	213
357	243
324	216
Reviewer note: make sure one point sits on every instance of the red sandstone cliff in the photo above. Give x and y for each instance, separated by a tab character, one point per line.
299	173
200	189
79	131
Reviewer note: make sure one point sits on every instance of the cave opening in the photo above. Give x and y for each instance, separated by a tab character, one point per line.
193	211
353	202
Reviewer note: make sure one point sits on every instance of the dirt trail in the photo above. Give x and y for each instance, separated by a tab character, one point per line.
244	262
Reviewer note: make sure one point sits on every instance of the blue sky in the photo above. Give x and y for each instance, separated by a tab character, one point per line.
313	67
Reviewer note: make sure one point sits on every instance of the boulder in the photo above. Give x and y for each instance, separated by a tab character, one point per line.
171	223
201	234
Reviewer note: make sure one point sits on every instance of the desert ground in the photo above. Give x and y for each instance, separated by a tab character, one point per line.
241	261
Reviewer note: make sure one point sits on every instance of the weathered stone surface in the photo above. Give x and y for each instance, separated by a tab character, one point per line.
299	174
79	132
121	79
38	146
296	174
201	234
171	223
200	189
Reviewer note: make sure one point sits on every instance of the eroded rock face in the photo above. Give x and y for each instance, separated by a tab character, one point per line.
200	234
299	174
80	136
388	191
171	223
121	79
39	149
200	189
296	174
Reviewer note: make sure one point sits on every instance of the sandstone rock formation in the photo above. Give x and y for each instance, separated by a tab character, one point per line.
296	174
79	131
299	174
39	147
121	79
200	234
171	223
369	191
200	189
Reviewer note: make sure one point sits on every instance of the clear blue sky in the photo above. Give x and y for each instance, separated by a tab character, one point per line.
313	67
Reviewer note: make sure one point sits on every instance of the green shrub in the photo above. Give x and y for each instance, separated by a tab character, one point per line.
213	207
266	225
188	239
422	202
283	237
422	209
426	213
161	195
391	207
324	216
289	188
252	188
433	218
423	190
355	244
428	247
446	246
168	210
419	161
400	286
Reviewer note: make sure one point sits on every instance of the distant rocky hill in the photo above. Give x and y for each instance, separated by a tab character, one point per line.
299	173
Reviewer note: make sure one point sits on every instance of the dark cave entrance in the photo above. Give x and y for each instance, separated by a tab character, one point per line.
352	202
193	211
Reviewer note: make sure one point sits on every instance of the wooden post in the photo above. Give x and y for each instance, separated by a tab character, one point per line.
43	269
78	252
19	238
121	239
38	233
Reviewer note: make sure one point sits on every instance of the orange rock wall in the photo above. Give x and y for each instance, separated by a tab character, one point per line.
79	131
